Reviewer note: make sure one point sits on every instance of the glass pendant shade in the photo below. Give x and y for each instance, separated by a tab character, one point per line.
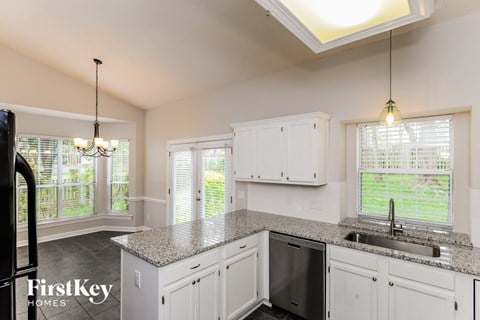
390	114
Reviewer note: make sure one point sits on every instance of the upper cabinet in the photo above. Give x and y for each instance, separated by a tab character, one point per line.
289	150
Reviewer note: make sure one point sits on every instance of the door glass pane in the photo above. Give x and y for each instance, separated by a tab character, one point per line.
212	175
182	165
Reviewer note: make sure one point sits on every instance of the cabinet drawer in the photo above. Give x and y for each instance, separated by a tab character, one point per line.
354	257
191	265
241	245
424	274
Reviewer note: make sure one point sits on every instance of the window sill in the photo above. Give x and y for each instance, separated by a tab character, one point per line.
66	221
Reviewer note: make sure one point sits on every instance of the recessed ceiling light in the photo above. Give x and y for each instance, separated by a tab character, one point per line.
325	24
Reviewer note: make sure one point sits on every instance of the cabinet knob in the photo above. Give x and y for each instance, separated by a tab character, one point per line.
258	177
251	176
374	279
198	280
288	178
193	282
390	283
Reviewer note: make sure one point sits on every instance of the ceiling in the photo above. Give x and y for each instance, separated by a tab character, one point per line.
159	51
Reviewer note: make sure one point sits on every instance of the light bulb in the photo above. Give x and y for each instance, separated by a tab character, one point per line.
390	118
98	142
114	144
78	142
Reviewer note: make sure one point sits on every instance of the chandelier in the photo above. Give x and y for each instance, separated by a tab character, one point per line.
97	147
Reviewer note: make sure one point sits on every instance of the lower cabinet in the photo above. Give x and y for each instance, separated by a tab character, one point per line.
194	297
412	300
368	286
476	294
353	293
240	278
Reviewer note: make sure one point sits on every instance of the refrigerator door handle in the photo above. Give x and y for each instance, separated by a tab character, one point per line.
30	270
22	167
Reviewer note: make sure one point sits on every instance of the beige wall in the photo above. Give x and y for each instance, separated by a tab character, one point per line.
25	82
434	68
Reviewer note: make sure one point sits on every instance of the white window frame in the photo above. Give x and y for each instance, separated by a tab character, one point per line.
207	142
109	182
405	221
60	185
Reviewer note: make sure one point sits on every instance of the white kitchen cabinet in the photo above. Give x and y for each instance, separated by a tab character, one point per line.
288	150
194	297
368	286
271	148
179	300
353	293
476	307
244	153
413	300
240	281
302	152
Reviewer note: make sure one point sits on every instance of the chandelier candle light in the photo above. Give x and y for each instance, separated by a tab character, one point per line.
97	147
390	114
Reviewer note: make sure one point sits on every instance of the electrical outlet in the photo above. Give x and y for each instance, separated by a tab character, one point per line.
138	279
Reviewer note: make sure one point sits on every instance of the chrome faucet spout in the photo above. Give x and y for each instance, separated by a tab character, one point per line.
391	218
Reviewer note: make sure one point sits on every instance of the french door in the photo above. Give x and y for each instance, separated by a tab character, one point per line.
200	180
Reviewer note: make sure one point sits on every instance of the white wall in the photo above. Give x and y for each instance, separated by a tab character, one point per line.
434	68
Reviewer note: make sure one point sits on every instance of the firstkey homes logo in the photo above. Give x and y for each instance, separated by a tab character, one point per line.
57	292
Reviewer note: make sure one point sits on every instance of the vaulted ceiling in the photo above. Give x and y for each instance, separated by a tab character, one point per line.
158	51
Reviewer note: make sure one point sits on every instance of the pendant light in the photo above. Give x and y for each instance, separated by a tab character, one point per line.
97	147
390	114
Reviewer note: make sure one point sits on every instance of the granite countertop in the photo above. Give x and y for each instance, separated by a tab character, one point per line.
166	245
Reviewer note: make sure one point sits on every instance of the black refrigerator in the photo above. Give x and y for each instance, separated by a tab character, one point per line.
12	162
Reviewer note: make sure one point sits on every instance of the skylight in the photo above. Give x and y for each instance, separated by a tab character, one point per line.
325	24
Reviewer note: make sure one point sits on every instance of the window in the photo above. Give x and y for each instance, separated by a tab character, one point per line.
411	162
65	181
200	180
119	176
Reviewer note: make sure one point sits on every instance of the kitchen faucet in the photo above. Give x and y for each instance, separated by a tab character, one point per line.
391	217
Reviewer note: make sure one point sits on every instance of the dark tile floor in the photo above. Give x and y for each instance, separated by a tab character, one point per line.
266	313
90	256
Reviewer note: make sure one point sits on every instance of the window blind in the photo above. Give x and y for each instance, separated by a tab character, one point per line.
214	181
119	177
65	182
183	183
42	156
78	181
411	162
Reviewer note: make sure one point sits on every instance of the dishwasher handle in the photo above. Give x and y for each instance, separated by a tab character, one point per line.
297	243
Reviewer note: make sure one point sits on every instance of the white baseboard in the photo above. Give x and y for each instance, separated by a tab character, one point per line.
80	232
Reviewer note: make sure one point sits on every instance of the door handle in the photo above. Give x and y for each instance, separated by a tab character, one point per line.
295	246
30	270
195	267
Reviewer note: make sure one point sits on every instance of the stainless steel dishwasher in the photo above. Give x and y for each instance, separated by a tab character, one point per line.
297	275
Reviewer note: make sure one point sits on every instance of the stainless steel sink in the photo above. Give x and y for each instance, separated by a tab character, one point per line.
430	251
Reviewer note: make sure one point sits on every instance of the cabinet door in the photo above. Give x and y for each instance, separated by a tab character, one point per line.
271	154
353	292
476	307
207	294
302	151
244	153
240	283
179	300
412	300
